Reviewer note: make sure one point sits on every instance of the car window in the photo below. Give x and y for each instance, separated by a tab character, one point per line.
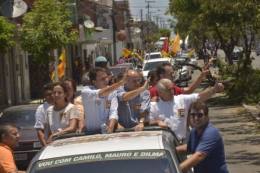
156	161
152	65
22	118
154	56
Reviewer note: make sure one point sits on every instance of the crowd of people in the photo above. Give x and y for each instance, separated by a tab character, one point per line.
104	106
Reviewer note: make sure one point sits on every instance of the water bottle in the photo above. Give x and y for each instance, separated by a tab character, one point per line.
103	128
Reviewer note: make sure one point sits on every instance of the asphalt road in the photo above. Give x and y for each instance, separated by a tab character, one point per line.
241	135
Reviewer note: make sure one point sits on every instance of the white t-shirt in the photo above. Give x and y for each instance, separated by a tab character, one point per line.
174	113
41	119
98	110
58	120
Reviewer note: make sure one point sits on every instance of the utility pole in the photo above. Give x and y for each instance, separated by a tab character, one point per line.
142	28
114	30
148	20
148	8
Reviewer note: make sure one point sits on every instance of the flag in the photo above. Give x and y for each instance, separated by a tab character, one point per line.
176	45
62	64
126	53
165	47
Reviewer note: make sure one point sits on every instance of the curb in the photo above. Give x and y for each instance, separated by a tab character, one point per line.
254	111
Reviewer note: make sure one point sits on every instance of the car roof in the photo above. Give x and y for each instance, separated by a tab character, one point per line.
153	53
21	107
158	60
123	141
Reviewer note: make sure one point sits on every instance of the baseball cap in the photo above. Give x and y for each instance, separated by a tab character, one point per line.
101	59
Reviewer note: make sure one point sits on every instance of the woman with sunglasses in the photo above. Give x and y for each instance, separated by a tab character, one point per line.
63	116
205	144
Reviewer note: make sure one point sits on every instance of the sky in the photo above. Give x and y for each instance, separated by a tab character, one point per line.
157	8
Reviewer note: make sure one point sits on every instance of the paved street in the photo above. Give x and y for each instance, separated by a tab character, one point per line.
241	137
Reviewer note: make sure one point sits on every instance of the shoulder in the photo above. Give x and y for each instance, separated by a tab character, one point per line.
211	131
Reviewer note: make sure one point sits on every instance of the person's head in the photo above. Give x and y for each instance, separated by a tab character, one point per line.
153	77
60	93
198	114
134	79
101	61
47	93
98	77
9	135
71	89
165	89
165	71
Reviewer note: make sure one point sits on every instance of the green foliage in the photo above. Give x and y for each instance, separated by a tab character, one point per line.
7	31
47	27
245	84
227	22
165	32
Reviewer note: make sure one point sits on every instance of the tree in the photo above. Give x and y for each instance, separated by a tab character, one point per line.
7	31
231	23
228	22
47	27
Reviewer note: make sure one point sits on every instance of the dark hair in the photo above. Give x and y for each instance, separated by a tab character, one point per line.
63	86
4	129
152	75
93	73
74	85
101	64
160	69
48	86
198	105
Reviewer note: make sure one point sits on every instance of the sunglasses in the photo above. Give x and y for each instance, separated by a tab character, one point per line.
198	114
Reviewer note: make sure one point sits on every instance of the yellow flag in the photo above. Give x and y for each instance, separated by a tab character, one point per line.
176	45
126	53
62	64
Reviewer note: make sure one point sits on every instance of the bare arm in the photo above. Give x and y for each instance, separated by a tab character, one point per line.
107	90
41	137
196	83
111	125
206	94
195	158
181	148
132	94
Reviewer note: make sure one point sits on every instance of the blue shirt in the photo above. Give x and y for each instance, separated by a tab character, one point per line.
129	111
209	142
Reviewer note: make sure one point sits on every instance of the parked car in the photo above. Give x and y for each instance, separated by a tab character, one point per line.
150	151
152	65
23	117
120	68
152	55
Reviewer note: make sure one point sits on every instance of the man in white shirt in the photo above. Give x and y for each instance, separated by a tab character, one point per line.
100	102
40	114
172	111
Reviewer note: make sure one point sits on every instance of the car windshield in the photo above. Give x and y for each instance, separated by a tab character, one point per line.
155	161
22	118
152	65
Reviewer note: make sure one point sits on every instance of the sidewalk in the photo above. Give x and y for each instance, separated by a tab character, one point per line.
254	110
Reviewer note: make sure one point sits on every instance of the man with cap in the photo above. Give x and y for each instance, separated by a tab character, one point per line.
101	61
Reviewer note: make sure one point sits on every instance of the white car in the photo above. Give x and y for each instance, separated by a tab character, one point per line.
152	55
150	151
152	64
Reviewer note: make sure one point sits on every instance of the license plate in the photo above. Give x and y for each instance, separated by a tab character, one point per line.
21	156
37	145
